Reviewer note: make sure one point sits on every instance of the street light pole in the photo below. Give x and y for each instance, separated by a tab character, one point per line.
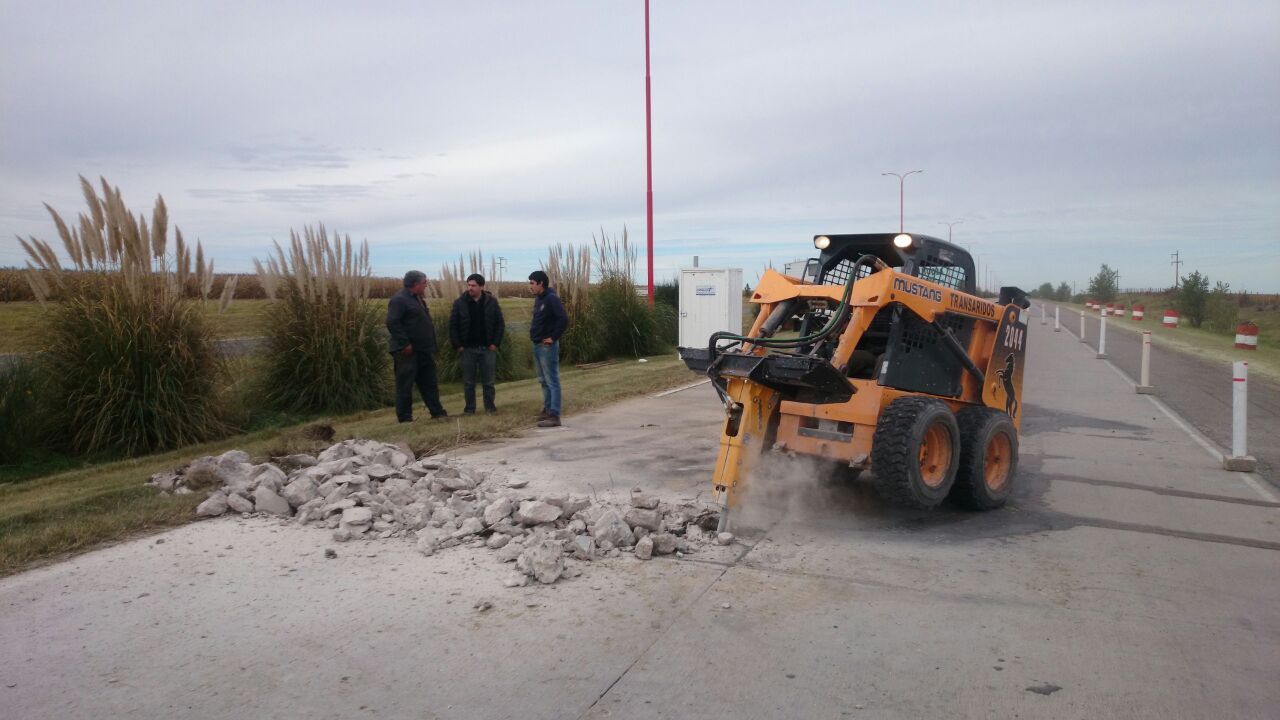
949	226
901	180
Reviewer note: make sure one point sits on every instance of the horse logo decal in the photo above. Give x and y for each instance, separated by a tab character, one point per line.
1006	379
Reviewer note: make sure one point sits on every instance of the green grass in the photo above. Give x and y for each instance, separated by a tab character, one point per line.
21	322
1201	342
49	516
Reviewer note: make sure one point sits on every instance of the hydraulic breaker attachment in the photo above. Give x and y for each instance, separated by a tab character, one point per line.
751	422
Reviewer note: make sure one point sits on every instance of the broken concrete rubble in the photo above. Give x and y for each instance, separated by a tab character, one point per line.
365	490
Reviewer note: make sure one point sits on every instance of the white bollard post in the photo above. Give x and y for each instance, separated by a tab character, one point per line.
1102	338
1082	326
1144	386
1057	326
1239	459
1042	320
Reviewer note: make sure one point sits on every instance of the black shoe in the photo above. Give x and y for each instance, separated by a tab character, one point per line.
440	415
543	414
468	412
491	411
550	421
405	420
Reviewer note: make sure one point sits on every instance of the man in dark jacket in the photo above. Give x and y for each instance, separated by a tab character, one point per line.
475	329
548	324
413	347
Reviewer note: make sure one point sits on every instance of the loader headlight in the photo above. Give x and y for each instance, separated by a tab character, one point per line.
822	242
903	241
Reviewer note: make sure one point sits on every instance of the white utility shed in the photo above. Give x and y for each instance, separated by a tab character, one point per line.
710	300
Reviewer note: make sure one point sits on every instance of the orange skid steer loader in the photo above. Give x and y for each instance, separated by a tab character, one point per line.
883	358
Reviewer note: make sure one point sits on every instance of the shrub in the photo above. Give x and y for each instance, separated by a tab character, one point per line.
129	361
1223	309
20	410
326	346
622	318
667	293
666	320
1193	298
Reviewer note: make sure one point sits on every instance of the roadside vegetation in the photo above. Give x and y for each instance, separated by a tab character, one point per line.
119	374
125	362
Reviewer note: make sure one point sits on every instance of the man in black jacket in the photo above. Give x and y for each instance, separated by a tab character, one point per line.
413	347
549	322
475	329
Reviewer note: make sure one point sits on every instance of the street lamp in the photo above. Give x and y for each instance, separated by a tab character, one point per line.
901	179
949	225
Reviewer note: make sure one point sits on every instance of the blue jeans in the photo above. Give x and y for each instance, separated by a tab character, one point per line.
546	358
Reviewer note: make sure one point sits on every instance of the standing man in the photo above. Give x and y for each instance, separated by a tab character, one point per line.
475	329
413	347
549	323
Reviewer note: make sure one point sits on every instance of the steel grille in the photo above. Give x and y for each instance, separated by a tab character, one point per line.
945	274
839	275
919	335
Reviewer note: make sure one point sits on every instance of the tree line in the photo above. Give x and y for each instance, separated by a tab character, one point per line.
1192	298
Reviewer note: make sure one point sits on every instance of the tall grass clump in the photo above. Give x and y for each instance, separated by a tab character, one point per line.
620	315
569	270
128	361
326	346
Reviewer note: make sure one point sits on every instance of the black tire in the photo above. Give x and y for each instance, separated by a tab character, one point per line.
988	458
905	427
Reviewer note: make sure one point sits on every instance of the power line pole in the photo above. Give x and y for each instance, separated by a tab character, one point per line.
1177	267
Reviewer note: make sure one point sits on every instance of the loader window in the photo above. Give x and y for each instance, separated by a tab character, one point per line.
938	271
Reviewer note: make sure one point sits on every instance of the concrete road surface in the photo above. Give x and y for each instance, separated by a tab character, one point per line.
1129	578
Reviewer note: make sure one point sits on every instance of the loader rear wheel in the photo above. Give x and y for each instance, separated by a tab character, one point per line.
988	458
915	451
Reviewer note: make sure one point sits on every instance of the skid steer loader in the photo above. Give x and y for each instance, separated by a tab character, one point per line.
881	358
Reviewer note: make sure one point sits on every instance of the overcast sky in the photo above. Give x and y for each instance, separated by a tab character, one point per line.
1062	135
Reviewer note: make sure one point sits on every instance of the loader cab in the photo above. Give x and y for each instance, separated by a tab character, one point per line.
926	257
900	350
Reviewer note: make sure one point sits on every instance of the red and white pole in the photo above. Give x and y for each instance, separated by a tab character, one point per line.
648	150
1138	312
1247	336
1170	319
1239	459
1144	384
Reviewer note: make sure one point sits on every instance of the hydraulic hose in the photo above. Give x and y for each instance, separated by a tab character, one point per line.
837	318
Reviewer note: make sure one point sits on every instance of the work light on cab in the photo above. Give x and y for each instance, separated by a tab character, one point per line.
821	242
903	241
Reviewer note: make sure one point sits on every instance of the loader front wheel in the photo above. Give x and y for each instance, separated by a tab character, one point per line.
988	458
915	451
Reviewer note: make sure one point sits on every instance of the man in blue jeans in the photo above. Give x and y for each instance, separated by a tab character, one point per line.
476	328
549	323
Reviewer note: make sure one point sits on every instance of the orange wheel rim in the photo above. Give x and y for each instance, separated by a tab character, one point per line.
935	455
996	464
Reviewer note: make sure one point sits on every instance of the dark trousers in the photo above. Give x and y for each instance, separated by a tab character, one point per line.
417	369
485	362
